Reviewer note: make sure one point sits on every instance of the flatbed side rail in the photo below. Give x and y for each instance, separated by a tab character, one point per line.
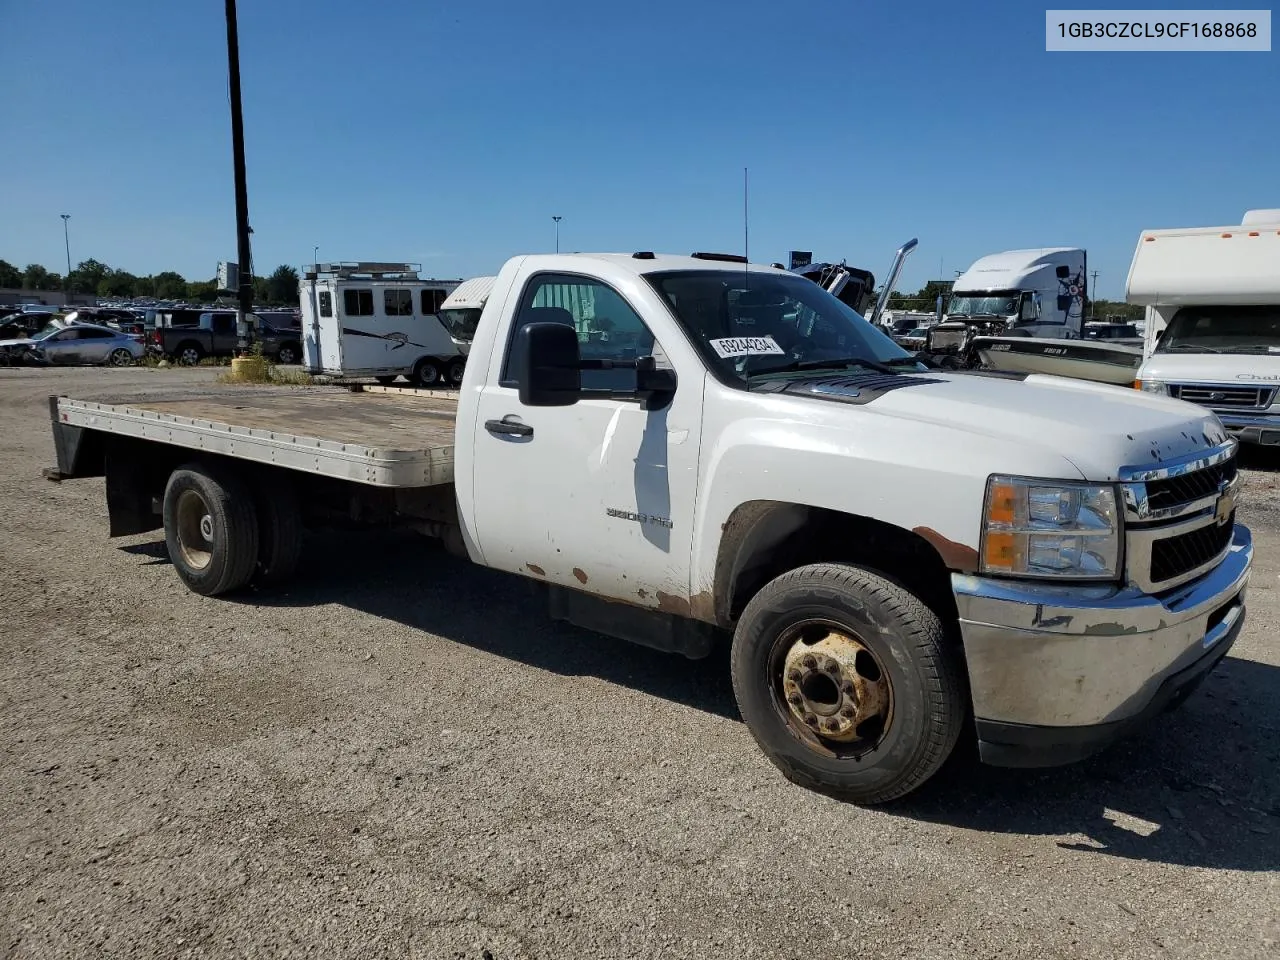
343	461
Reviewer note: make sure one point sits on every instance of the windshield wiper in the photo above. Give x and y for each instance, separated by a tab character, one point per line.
1197	347
829	365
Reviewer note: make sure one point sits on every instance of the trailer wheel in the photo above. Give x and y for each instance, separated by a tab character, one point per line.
456	369
288	354
210	528
280	531
847	683
426	373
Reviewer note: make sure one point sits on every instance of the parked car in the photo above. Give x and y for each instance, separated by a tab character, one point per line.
62	343
913	339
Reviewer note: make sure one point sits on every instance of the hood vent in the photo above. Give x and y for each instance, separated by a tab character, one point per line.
857	390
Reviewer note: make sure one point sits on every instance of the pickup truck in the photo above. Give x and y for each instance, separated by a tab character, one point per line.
691	449
214	335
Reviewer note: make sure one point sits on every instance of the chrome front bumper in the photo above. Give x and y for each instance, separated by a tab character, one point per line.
1066	667
1251	428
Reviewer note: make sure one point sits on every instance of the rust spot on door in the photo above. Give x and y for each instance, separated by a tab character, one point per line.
535	569
956	556
581	577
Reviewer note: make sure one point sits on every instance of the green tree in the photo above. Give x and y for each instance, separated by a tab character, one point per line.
117	283
36	277
169	285
261	292
10	276
144	287
202	291
88	275
282	285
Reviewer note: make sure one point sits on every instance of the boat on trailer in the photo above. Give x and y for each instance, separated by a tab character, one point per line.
1103	361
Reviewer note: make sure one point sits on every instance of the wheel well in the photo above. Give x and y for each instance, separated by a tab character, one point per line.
188	343
764	539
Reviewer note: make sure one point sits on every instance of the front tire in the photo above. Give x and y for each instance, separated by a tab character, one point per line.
426	373
847	682
210	528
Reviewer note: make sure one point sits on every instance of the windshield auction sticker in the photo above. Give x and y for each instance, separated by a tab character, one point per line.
727	347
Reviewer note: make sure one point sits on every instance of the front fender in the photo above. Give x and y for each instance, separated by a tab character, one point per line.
911	474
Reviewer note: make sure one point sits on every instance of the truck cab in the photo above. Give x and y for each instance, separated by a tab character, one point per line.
1031	293
1212	335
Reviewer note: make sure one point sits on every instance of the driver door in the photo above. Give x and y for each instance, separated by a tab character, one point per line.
63	347
597	496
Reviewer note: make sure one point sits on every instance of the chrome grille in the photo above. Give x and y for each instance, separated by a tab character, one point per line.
1227	397
1179	517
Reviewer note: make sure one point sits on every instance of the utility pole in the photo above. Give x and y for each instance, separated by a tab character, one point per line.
557	220
315	256
245	300
66	237
1094	295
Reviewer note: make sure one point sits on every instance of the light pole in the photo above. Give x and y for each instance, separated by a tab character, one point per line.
66	237
557	220
315	256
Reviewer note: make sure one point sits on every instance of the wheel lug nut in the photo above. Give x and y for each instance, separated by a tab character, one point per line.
809	661
795	699
848	688
811	720
794	675
831	666
847	713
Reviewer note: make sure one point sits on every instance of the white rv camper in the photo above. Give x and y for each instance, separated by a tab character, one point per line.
1212	298
376	320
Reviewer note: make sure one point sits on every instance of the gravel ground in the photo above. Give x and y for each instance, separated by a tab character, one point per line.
399	756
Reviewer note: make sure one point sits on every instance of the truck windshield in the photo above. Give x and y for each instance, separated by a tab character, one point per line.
757	323
1000	304
461	322
1222	329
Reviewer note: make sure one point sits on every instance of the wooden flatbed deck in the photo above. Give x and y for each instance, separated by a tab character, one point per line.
381	438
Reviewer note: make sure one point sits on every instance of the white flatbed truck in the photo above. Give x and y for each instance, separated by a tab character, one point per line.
685	448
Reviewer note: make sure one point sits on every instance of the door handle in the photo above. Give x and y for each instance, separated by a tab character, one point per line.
508	428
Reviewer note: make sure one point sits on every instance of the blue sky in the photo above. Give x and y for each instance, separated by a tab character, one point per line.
450	133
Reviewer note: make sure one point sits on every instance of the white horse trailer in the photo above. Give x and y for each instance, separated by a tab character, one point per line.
376	320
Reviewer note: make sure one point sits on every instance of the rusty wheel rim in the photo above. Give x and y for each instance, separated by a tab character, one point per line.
194	530
833	689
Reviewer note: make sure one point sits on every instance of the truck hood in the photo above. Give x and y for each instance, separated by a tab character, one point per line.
1098	427
1219	368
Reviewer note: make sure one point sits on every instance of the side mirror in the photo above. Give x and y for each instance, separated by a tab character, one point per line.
655	386
548	365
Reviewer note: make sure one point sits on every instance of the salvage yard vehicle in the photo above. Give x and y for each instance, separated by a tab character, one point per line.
366	319
65	343
681	448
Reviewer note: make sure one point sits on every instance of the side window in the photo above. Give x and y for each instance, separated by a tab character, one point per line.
397	302
431	301
224	323
607	327
89	334
357	303
326	303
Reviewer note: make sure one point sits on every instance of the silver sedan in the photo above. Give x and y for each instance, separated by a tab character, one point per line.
77	343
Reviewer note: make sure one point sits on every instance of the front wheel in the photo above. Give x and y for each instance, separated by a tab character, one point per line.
847	682
426	373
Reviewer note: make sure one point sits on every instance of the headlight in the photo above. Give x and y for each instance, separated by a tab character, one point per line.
1050	528
1152	386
